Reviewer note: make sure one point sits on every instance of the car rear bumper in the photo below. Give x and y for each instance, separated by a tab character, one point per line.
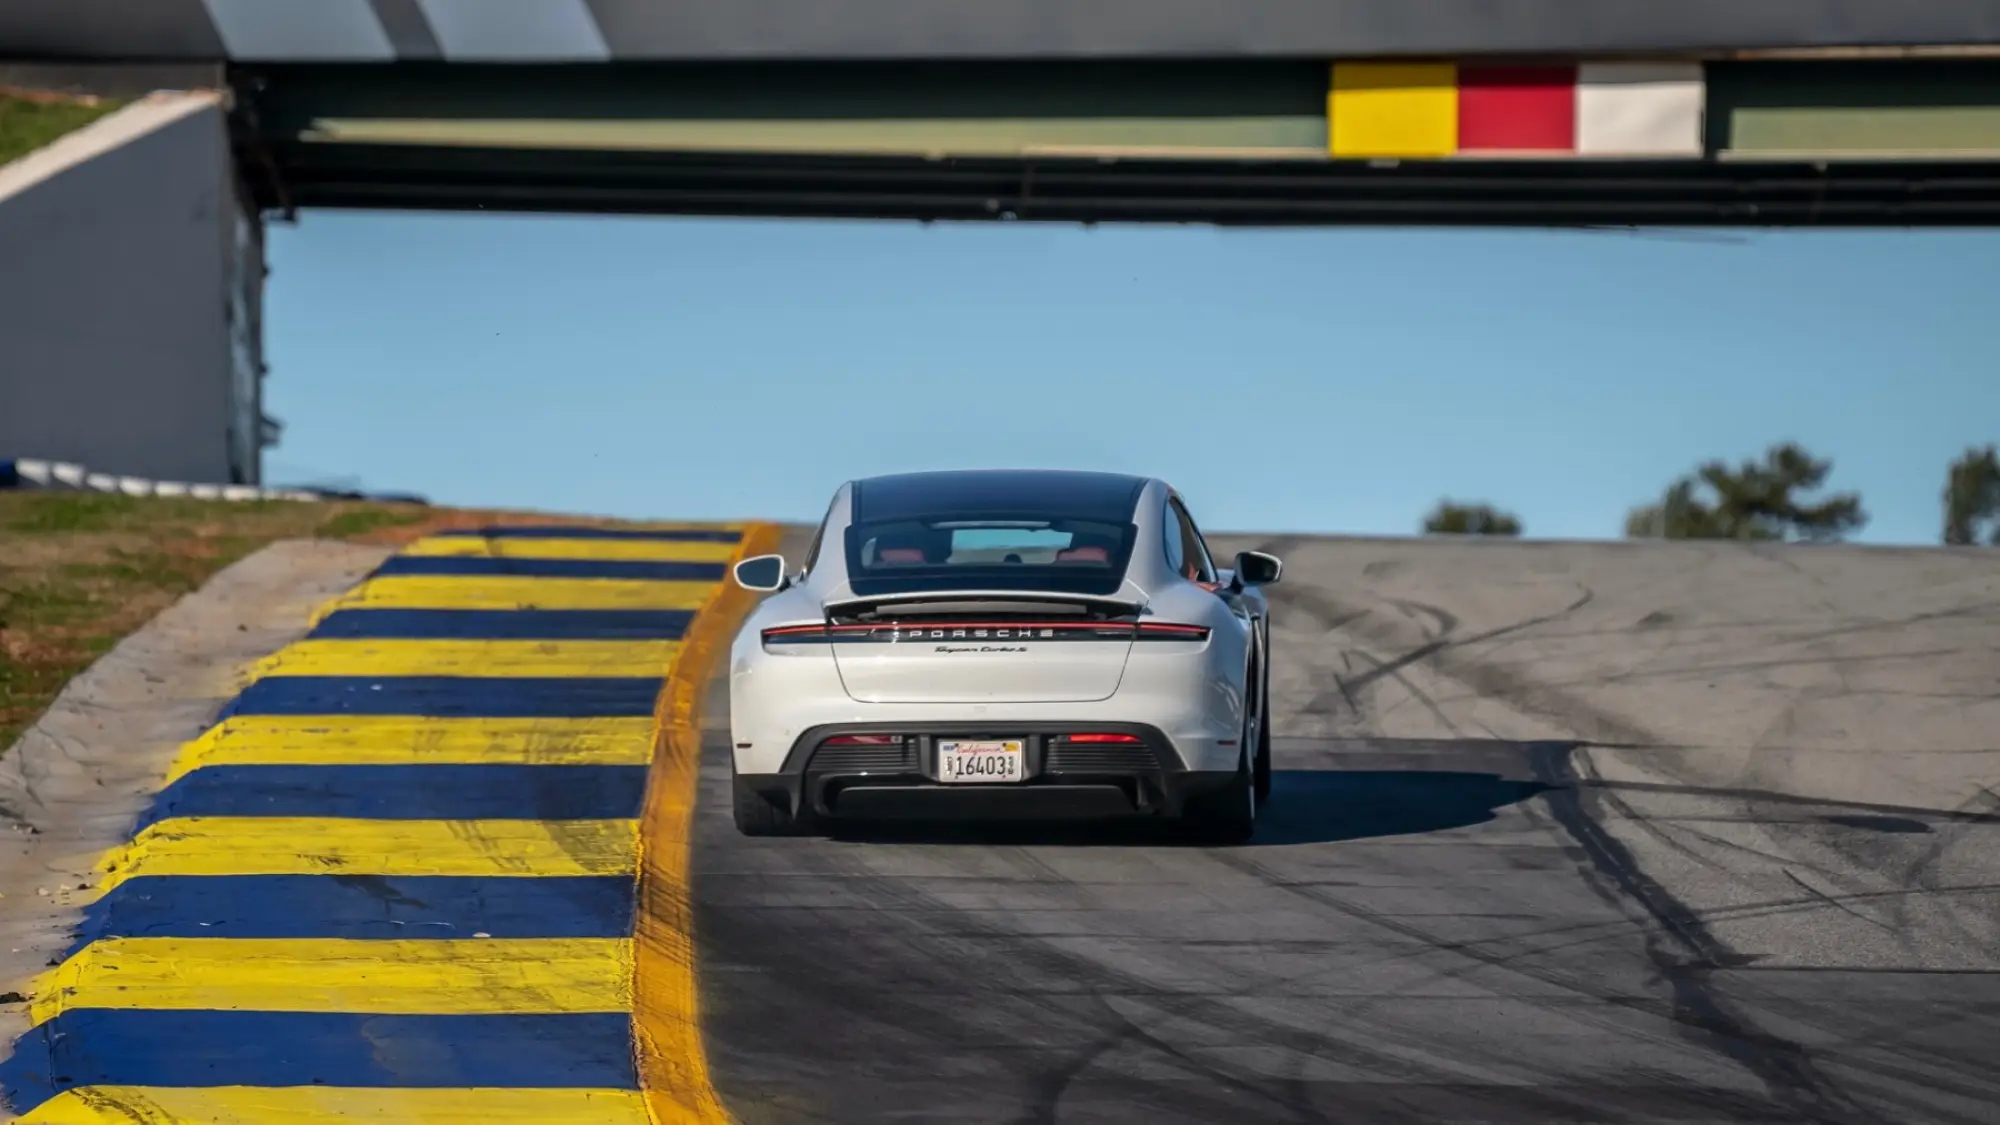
1064	781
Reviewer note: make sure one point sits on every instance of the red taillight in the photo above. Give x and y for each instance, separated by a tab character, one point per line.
1165	630
863	740
1103	737
782	631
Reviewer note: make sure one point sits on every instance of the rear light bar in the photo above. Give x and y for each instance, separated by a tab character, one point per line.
1103	737
890	631
864	740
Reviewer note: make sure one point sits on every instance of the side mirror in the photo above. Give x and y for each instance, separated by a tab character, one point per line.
1255	568
764	573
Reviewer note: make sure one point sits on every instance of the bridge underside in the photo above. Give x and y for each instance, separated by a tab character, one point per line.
1224	192
1739	144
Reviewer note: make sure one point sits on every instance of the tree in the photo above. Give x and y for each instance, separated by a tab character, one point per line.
1453	518
1972	499
1753	501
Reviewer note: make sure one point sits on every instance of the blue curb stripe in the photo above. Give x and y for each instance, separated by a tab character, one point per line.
504	624
407	792
362	907
455	566
151	1047
493	697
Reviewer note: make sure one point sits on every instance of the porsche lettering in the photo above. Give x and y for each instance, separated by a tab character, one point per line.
1021	634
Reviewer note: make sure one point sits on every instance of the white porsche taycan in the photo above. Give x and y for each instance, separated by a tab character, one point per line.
1002	644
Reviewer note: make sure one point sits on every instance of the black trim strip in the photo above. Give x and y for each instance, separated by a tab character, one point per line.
1038	731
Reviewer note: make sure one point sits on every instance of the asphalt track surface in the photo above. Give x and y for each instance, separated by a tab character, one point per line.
1561	833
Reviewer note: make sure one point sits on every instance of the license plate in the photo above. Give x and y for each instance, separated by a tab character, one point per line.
972	762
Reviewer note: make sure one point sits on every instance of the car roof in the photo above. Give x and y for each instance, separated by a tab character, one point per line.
997	493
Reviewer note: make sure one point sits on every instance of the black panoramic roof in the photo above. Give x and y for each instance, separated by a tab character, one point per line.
998	494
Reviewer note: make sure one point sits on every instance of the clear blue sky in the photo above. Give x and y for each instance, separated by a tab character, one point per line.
1286	381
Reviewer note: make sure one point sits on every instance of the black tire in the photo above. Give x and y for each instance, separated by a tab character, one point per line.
1262	771
758	815
1225	817
1228	816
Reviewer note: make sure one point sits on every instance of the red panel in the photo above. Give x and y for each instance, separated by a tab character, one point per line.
1519	108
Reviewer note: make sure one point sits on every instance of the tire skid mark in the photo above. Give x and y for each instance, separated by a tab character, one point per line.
1691	954
920	929
1784	1066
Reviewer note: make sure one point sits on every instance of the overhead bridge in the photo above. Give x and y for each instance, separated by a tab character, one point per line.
1685	112
1816	142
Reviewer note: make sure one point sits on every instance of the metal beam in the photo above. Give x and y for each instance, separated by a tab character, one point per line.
1225	192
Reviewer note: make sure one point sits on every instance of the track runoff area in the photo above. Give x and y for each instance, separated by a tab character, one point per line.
415	871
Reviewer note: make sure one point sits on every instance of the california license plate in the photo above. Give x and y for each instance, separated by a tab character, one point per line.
989	761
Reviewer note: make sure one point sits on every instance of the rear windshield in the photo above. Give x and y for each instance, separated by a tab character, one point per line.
1056	554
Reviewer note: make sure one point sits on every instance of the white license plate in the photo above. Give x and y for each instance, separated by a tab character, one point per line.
973	762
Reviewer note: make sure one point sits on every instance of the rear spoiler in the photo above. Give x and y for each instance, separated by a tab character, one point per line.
862	606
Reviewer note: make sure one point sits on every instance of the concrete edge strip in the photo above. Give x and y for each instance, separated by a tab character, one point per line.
673	1066
112	131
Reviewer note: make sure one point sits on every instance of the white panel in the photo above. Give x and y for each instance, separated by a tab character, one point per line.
1639	109
301	30
515	30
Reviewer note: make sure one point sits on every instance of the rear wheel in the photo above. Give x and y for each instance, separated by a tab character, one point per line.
1229	814
1261	772
759	815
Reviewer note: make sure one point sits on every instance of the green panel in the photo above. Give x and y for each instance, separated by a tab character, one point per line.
1886	108
971	109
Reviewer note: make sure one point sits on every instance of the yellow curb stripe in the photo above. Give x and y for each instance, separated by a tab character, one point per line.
442	976
606	550
287	845
396	740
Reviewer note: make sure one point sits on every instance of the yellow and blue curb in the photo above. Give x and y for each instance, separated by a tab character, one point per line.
400	876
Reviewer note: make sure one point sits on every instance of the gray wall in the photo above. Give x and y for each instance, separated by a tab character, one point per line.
115	343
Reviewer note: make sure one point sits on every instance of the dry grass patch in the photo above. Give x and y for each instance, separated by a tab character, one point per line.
30	119
79	571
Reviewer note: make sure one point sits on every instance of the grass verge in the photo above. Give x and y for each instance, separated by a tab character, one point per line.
30	120
80	570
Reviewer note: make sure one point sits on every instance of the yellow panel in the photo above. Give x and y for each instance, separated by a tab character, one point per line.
1393	109
287	845
443	976
619	550
457	657
395	740
332	1105
427	591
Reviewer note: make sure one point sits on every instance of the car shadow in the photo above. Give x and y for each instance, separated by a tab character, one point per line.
1306	807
